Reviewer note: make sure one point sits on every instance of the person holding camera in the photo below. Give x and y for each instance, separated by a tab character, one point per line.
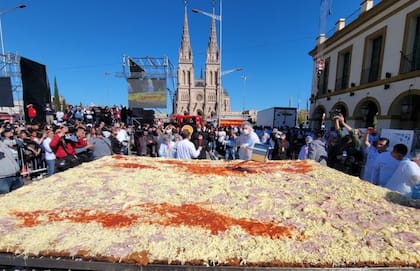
348	154
372	150
10	178
82	147
63	144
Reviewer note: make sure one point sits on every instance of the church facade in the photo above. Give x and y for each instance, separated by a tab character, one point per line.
200	96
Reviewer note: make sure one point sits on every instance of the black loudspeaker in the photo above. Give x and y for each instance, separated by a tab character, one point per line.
6	94
36	89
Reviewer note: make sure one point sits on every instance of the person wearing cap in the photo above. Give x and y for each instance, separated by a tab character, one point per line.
246	141
10	141
9	171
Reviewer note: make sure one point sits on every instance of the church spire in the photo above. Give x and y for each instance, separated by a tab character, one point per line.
213	48
185	52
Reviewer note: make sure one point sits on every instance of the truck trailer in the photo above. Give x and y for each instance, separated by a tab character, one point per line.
276	117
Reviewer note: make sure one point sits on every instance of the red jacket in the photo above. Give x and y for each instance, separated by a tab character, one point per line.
81	143
57	146
31	112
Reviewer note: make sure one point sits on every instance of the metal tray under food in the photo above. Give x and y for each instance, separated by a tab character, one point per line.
54	263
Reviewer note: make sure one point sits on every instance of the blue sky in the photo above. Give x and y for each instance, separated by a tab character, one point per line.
81	40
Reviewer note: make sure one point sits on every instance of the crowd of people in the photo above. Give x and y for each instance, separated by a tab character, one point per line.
78	135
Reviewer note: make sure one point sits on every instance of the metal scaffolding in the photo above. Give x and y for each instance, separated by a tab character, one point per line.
151	67
10	68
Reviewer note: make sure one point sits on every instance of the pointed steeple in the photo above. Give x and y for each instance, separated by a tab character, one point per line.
213	48
185	52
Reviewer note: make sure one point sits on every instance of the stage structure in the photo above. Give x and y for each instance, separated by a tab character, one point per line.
36	89
150	81
11	92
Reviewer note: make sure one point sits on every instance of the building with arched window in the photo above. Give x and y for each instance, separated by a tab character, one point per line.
369	70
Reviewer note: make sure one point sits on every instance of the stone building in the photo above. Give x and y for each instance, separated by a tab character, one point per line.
369	69
199	96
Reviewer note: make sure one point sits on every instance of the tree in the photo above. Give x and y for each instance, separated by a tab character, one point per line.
57	103
64	105
302	117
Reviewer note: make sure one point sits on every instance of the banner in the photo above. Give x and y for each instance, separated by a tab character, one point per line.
6	94
416	142
395	137
36	89
147	92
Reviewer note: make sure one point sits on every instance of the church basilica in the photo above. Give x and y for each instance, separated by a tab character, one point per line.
199	96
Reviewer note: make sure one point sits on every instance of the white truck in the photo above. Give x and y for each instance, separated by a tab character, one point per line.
276	117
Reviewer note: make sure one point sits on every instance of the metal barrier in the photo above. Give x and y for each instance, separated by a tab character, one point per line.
31	165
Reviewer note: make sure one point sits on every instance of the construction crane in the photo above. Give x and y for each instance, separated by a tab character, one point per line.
211	15
325	10
231	70
115	74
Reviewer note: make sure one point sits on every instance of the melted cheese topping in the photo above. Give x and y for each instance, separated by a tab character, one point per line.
150	210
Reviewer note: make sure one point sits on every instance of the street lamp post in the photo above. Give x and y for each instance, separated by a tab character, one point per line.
244	77
219	90
220	64
3	53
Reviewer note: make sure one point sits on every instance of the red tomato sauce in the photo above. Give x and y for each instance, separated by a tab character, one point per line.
168	215
131	165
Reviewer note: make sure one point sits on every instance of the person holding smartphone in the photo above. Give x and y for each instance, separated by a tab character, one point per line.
372	150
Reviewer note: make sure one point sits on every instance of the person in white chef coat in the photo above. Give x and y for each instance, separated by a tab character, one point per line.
405	176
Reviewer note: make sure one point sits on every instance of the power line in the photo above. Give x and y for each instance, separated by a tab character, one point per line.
83	67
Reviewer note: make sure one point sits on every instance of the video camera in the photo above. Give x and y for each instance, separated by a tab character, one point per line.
70	137
71	129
